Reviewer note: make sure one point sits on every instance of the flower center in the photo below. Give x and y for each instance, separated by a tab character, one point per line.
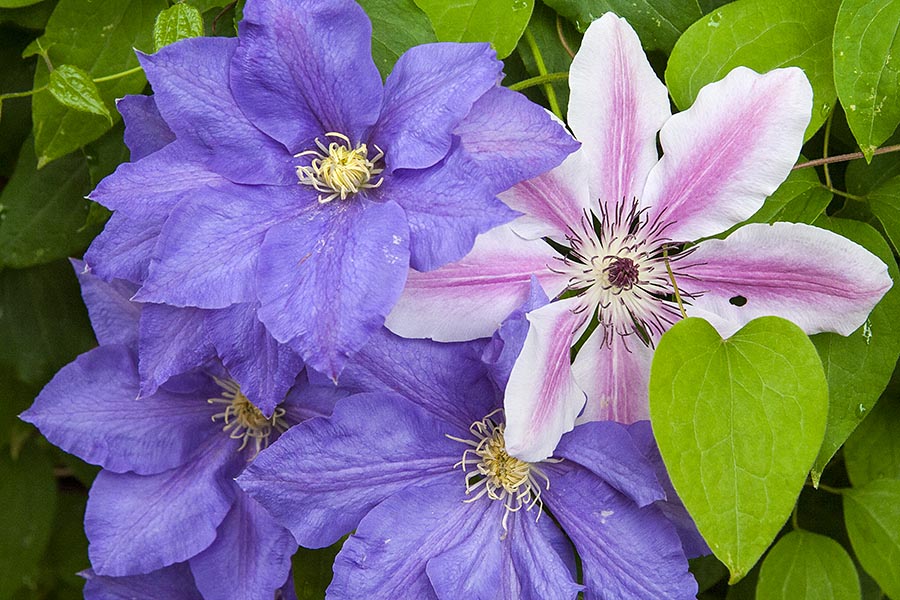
340	170
619	266
498	475
244	421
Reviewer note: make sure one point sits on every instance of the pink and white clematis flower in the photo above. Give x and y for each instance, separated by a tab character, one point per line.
622	221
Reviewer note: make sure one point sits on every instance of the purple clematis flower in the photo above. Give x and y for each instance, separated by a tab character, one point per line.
299	184
166	493
417	465
622	220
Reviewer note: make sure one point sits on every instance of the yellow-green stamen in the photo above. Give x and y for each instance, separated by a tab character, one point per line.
340	170
243	420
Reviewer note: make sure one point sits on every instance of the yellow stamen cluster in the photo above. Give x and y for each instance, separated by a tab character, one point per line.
244	421
497	474
339	170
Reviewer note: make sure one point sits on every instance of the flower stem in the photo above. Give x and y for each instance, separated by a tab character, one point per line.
136	69
843	194
795	522
830	490
825	148
562	37
542	70
674	284
843	158
539	80
22	94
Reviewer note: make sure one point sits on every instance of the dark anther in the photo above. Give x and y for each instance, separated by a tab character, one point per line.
622	273
738	300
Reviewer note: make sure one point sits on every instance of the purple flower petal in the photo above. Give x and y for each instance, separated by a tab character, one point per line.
448	380
728	151
139	523
250	559
113	316
542	398
431	88
173	341
819	280
542	558
208	248
616	107
305	68
265	369
606	449
626	552
145	130
306	401
90	409
387	556
615	375
447	206
511	139
124	248
190	84
171	583
469	298
323	475
327	281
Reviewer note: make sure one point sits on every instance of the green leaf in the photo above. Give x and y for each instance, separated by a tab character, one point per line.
75	88
313	571
872	513
859	366
862	178
43	322
178	22
28	501
659	23
738	423
15	113
884	201
397	26
867	68
17	3
16	397
762	35
42	212
807	565
873	451
67	553
30	17
101	41
500	22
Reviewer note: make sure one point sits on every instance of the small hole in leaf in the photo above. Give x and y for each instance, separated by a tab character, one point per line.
738	300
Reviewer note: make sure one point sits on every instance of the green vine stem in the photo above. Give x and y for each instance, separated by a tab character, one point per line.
542	70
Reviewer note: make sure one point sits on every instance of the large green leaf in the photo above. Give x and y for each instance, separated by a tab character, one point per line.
762	35
42	212
873	451
872	515
500	22
884	202
27	505
859	366
807	565
659	23
397	26
43	322
100	38
738	423
867	68
15	118
17	3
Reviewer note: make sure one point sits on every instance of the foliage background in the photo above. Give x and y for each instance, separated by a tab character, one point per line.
57	143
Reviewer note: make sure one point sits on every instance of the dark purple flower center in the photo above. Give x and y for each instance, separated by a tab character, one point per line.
622	273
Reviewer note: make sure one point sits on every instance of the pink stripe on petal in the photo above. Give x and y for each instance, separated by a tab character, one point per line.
617	105
552	202
469	299
729	151
615	377
542	398
816	278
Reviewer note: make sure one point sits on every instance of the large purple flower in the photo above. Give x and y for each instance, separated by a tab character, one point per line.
417	466
622	223
166	492
298	182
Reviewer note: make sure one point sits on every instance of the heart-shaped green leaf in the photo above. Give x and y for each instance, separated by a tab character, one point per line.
738	423
808	565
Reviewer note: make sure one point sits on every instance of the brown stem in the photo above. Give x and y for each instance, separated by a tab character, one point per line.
843	157
562	37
